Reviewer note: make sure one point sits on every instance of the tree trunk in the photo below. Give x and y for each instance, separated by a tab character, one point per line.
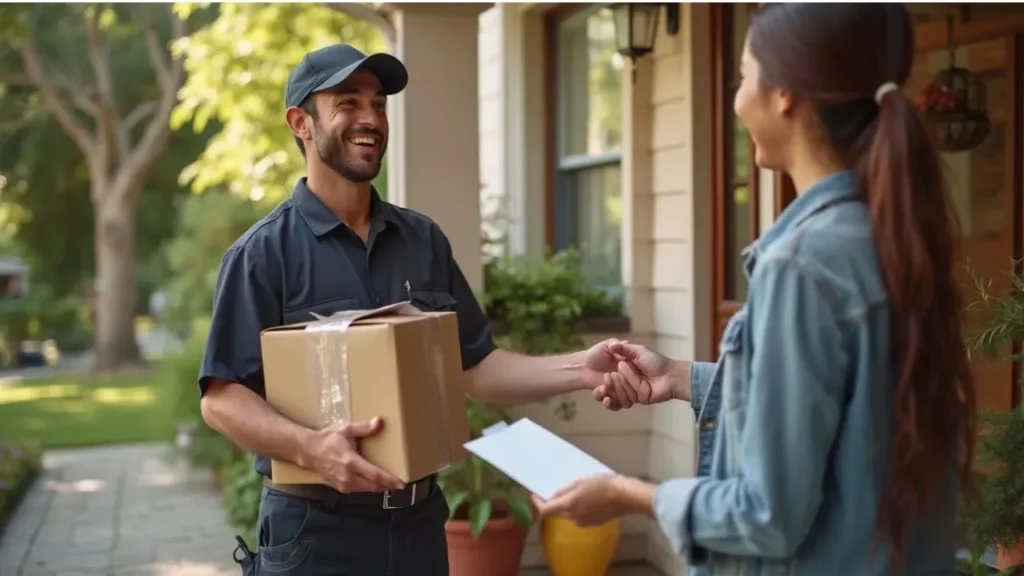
114	342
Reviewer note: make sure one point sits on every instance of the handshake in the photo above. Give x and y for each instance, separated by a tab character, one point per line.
622	374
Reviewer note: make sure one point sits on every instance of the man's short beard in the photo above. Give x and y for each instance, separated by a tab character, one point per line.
331	152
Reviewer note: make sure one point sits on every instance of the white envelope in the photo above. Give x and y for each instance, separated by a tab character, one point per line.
535	457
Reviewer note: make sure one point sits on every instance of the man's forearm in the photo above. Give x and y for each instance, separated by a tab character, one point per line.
514	378
248	421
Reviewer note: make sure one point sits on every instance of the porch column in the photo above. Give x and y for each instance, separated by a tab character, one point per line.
434	160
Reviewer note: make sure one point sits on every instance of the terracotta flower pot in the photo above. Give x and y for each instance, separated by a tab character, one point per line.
575	551
497	552
1007	558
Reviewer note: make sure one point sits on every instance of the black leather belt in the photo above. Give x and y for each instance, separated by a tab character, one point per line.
411	495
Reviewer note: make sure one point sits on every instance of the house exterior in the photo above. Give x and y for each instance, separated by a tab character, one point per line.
527	109
13	277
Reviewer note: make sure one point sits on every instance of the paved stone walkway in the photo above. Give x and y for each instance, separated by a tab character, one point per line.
118	511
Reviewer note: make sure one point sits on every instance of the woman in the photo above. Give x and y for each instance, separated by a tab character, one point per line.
842	405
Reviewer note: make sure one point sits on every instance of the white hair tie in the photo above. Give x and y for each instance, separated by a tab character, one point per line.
885	89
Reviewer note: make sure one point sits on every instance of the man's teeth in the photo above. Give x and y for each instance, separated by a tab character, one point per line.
364	140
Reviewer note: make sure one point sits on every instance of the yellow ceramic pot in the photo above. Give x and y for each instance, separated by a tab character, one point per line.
575	551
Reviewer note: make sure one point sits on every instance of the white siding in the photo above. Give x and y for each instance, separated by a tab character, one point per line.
492	114
680	259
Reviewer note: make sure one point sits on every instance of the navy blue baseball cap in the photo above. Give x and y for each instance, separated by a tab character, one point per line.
329	66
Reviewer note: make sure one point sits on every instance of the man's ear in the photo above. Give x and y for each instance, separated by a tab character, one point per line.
297	121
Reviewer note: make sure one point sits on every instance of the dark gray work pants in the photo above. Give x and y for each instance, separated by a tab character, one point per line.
300	537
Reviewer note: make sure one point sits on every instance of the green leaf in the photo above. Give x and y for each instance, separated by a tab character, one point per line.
455	500
479	516
520	510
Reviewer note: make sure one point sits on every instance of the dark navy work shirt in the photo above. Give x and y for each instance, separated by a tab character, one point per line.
301	258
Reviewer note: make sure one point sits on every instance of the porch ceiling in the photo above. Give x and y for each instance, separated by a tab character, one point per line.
467	8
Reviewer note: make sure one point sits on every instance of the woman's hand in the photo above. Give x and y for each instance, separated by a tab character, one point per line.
598	499
643	376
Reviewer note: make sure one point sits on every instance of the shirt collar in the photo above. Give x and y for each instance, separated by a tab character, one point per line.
826	191
321	220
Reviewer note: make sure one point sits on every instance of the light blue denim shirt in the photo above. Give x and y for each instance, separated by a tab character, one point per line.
794	419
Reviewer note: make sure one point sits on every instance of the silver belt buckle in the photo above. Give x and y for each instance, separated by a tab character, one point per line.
412	499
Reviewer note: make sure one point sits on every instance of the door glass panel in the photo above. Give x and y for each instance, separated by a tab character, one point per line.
979	179
737	162
595	200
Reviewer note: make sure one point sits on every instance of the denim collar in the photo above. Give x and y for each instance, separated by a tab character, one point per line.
829	190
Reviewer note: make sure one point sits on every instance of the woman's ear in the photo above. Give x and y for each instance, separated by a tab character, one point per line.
782	101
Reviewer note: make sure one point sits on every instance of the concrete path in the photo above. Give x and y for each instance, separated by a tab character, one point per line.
118	511
129	511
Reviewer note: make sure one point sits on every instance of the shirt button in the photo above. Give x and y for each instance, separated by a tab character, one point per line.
379	300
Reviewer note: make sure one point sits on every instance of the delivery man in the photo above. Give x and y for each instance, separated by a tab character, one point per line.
336	245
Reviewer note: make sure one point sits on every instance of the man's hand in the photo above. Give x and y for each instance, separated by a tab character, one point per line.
336	457
600	362
641	376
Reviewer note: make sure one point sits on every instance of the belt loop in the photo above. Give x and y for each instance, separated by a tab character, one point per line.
332	501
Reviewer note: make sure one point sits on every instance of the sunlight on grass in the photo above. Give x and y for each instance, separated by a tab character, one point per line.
29	393
137	395
86	410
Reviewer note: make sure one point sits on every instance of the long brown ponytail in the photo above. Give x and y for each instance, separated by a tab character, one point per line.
839	55
934	402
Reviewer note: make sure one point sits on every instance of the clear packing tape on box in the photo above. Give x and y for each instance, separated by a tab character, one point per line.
328	367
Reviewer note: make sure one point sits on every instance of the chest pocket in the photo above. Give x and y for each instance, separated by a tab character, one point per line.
734	371
431	301
304	312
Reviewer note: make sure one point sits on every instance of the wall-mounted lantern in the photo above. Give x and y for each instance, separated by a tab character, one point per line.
636	26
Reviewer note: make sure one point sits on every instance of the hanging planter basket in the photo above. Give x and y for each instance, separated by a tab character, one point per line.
955	106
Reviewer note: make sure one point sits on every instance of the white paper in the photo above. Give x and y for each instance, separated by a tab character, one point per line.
535	457
494	428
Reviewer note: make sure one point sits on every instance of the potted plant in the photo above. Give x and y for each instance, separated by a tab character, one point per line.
536	308
490	514
996	516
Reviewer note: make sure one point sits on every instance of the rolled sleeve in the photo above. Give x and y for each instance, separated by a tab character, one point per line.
475	336
701	375
672	510
794	352
243	306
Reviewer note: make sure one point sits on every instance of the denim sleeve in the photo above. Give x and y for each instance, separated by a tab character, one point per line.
794	356
701	374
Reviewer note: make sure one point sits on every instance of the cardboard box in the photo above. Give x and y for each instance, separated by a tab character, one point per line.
401	364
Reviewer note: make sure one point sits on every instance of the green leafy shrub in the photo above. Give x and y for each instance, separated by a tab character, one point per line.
996	515
195	441
242	488
539	304
19	464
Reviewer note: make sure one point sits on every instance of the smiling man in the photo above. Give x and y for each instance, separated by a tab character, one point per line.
336	245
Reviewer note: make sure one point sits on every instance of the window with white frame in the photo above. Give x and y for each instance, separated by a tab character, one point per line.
588	129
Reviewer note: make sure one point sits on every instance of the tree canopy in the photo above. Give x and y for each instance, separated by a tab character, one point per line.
237	70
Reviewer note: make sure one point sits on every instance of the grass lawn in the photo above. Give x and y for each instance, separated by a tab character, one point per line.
87	410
